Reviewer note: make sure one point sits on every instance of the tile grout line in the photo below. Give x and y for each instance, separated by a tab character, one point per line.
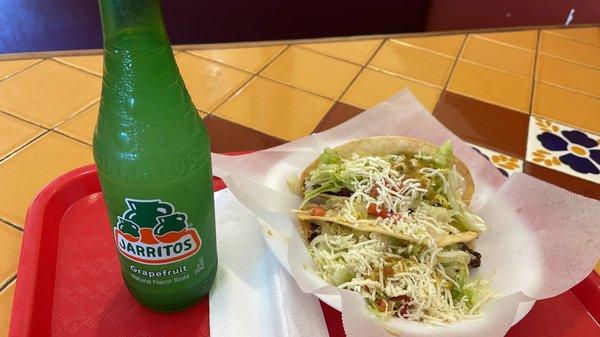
23	146
496	69
247	82
70	137
77	113
576	91
417	47
362	68
4	112
330	56
74	66
557	57
8	283
570	38
187	52
456	59
22	70
506	44
405	77
10	224
534	75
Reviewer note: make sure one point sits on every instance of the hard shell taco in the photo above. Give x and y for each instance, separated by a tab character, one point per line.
388	217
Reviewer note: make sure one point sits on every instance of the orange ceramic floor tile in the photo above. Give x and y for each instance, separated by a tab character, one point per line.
14	133
589	35
251	59
568	74
48	93
311	71
567	107
492	86
11	246
8	68
354	51
523	38
275	109
569	50
414	63
500	56
446	44
208	82
82	126
23	174
91	63
6	299
372	87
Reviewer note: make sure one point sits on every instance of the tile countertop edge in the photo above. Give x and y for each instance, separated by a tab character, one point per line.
48	54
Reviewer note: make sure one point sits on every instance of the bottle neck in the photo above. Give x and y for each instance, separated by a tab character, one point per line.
141	80
132	24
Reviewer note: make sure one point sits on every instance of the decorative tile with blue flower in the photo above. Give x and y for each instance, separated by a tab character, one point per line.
564	149
505	163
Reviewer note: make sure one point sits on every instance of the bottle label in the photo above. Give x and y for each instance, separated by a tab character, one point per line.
152	232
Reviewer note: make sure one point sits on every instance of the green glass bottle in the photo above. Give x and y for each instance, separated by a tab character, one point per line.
153	157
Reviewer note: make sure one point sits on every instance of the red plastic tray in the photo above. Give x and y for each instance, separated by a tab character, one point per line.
69	283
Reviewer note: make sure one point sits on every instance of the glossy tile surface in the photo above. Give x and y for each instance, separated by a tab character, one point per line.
338	114
6	298
506	164
209	83
589	35
27	171
490	85
249	59
91	63
14	133
566	106
414	63
275	109
482	124
565	149
82	126
11	246
48	93
311	71
353	51
445	44
245	139
8	68
568	182
569	75
499	56
373	86
570	50
526	39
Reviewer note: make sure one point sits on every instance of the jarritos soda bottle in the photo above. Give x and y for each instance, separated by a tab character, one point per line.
153	159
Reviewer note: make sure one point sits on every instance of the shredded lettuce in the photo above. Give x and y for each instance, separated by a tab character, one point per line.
444	156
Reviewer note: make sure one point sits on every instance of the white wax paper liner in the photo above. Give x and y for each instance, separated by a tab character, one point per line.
542	239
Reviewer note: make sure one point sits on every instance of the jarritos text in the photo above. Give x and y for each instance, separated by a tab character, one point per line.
151	232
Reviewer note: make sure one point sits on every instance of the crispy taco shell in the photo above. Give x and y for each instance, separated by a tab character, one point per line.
386	145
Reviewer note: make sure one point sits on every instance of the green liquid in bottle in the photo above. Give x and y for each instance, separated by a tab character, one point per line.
153	157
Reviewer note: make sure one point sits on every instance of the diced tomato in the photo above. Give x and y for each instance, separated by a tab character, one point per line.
374	193
381	304
372	209
388	270
319	211
403	299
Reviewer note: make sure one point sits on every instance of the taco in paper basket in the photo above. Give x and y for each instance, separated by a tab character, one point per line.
389	218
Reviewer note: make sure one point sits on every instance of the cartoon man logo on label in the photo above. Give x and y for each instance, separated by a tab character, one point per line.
151	232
